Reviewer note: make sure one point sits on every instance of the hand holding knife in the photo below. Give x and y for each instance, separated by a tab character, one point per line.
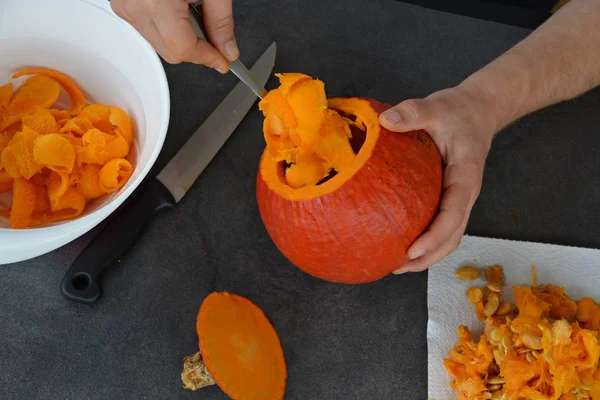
236	66
81	283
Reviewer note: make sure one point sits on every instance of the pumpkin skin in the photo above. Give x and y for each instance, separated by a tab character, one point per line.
358	230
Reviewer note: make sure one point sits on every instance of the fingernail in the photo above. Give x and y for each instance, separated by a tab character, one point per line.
392	116
221	70
416	254
399	271
231	50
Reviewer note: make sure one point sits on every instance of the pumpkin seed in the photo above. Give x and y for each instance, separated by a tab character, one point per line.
467	273
533	342
524	350
529	357
536	354
506	342
495	286
487	395
585	387
493	388
498	356
496	380
474	295
496	334
492	305
503	308
497	395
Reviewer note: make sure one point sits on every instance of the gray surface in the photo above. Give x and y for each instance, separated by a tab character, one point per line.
340	342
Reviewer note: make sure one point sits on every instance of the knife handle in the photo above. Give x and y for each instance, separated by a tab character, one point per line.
81	283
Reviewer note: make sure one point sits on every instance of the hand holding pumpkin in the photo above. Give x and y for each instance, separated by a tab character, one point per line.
460	127
165	24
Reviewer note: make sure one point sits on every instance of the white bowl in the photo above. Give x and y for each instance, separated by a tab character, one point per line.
112	64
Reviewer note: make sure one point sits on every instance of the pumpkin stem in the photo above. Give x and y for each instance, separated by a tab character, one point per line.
195	375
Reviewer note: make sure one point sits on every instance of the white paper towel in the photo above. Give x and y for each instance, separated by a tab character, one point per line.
577	269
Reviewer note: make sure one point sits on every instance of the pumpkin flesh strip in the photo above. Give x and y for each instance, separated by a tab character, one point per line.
301	131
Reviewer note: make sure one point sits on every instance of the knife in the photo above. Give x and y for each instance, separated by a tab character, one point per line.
82	283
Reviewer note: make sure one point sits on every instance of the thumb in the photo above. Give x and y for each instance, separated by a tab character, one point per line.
218	19
406	116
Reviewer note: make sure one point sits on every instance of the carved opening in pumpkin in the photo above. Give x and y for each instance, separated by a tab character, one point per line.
314	144
356	142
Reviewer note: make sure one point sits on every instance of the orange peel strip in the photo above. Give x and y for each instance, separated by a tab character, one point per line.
55	152
77	98
114	174
240	348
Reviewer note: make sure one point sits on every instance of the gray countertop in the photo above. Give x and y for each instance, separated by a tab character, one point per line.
340	342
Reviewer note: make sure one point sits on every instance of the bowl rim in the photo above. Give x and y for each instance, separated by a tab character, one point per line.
90	220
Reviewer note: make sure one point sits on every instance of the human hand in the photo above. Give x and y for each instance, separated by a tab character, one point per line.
458	123
166	25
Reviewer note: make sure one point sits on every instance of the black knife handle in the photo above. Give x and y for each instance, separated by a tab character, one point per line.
81	283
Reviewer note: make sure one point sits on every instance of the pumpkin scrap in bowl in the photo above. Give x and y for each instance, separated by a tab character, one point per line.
239	350
545	346
53	159
340	196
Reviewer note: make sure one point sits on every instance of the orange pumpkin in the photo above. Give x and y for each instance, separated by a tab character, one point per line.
340	196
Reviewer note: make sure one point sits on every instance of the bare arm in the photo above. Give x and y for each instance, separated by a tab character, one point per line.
558	61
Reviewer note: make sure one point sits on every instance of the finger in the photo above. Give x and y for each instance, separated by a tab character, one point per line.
181	40
144	25
462	183
412	114
426	261
218	20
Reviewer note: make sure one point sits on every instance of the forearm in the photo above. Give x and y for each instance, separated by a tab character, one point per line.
558	61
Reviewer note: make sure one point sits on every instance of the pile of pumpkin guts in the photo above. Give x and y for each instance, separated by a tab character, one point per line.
543	347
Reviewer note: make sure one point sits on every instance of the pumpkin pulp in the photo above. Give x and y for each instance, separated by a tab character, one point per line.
314	144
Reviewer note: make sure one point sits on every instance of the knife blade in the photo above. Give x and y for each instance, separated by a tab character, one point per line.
82	282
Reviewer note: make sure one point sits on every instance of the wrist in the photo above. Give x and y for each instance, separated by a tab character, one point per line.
502	90
479	103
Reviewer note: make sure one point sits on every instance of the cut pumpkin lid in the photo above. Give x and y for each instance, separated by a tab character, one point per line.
239	350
